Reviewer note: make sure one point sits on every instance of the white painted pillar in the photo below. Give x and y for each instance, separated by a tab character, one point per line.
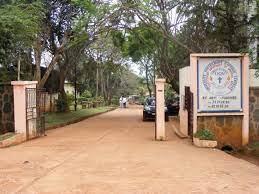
245	82
193	87
19	92
160	109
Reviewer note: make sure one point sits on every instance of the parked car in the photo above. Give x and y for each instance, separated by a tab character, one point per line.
149	110
173	107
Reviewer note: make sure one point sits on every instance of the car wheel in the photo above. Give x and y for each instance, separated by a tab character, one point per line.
144	117
166	118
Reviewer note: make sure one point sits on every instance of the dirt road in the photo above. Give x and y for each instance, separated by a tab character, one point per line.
115	153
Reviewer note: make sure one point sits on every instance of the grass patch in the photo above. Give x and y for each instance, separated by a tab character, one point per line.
204	134
251	150
53	119
254	145
6	136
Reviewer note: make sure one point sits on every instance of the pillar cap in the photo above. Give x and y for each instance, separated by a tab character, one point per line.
23	83
219	54
160	80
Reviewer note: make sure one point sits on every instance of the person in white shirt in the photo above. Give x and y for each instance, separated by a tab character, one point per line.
120	101
124	102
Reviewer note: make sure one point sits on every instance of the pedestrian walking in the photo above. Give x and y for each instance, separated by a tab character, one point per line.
124	102
120	101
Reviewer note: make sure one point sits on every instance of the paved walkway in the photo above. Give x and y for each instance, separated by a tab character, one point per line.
115	153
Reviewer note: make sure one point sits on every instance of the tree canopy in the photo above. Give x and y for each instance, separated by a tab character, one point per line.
94	42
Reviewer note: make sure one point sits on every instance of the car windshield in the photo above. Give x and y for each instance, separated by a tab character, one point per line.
151	101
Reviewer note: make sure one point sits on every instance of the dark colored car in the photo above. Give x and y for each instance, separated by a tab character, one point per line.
149	110
173	107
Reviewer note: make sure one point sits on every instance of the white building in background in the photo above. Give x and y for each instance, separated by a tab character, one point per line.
69	88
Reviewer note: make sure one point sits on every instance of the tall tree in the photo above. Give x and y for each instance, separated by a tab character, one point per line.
19	22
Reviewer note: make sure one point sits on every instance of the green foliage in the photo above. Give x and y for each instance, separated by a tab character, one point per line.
22	21
99	98
63	102
170	94
204	134
102	36
19	23
221	26
85	4
117	38
115	100
254	145
142	91
61	105
87	97
142	41
142	100
86	94
70	99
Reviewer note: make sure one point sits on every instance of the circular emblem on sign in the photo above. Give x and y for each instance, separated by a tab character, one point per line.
220	77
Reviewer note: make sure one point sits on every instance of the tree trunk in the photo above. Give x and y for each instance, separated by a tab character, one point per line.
61	80
109	100
53	62
48	71
106	86
102	80
75	88
147	80
62	77
97	81
37	56
19	67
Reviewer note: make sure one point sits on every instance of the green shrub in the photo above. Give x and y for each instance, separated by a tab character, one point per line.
81	99
62	105
115	100
63	102
70	99
86	94
142	100
254	145
99	98
204	134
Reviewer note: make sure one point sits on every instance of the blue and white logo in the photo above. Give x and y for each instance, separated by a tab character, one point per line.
220	77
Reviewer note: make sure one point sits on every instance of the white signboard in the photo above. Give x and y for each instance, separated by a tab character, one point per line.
219	85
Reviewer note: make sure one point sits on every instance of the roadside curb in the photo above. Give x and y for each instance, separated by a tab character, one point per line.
11	141
178	132
78	120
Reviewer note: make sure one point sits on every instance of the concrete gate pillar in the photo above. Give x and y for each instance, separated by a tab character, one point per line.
160	109
19	92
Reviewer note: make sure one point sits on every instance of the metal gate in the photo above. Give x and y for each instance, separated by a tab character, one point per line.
189	108
35	109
